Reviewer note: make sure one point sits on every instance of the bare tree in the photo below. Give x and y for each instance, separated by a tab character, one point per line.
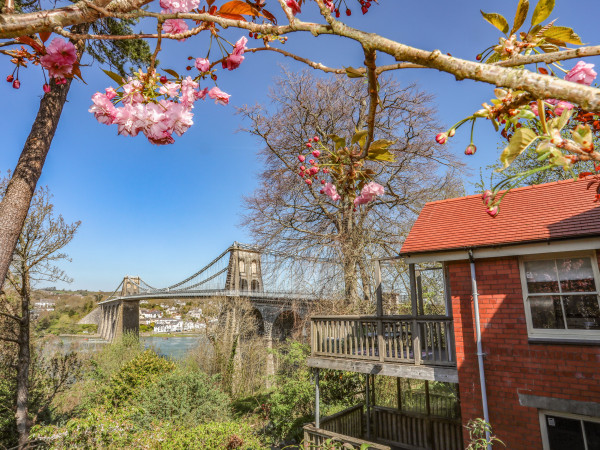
37	251
292	216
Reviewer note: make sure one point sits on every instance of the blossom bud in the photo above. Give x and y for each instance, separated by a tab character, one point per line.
348	12
470	150
312	161
316	139
308	144
441	138
301	158
493	210
452	132
322	181
16	84
487	197
10	78
325	170
308	181
46	88
478	57
302	168
322	191
163	79
316	153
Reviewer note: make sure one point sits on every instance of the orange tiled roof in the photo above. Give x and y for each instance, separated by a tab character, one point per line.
559	210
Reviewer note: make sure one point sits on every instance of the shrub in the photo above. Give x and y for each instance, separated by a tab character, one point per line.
183	396
135	375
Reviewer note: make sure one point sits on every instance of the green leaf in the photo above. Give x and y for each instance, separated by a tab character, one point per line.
497	20
339	142
379	151
354	73
494	57
381	155
582	134
173	73
521	15
522	139
359	137
542	11
381	144
560	122
115	77
563	34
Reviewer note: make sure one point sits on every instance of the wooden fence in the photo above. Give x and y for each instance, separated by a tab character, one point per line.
427	340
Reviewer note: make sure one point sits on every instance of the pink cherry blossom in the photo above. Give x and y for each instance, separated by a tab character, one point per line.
441	138
240	46
202	64
175	26
180	118
103	109
372	189
561	106
169	89
132	91
493	210
368	193
188	92
487	197
179	5
110	92
221	98
330	190
128	119
233	62
293	5
582	73
201	94
59	58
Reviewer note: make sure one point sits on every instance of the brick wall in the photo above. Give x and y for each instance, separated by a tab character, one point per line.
511	363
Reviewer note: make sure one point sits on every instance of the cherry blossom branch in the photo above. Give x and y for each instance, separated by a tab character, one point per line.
15	25
548	58
338	71
370	56
109	37
159	28
581	154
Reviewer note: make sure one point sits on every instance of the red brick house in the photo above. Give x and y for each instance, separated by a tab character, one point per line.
536	283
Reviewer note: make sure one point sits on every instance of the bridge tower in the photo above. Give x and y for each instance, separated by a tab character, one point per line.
131	286
244	272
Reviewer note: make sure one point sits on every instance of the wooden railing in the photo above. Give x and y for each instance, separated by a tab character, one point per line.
416	431
427	340
345	427
348	422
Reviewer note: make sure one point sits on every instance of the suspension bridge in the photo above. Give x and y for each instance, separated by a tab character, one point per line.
275	283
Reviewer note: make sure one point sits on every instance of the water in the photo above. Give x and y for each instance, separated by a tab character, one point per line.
170	347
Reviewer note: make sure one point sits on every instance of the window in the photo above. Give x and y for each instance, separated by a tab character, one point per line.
561	296
569	431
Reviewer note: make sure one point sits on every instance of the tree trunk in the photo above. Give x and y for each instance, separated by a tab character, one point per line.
15	204
16	201
22	413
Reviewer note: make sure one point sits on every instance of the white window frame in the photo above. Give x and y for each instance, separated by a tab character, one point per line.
544	425
558	334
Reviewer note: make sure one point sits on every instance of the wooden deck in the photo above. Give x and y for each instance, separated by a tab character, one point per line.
403	346
390	429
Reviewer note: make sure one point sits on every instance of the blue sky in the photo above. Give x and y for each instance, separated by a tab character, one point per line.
162	212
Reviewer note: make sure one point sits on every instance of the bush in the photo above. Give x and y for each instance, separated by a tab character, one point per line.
100	429
135	375
182	396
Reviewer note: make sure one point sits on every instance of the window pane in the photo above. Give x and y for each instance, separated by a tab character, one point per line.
576	275
541	277
592	434
546	312
582	312
564	433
